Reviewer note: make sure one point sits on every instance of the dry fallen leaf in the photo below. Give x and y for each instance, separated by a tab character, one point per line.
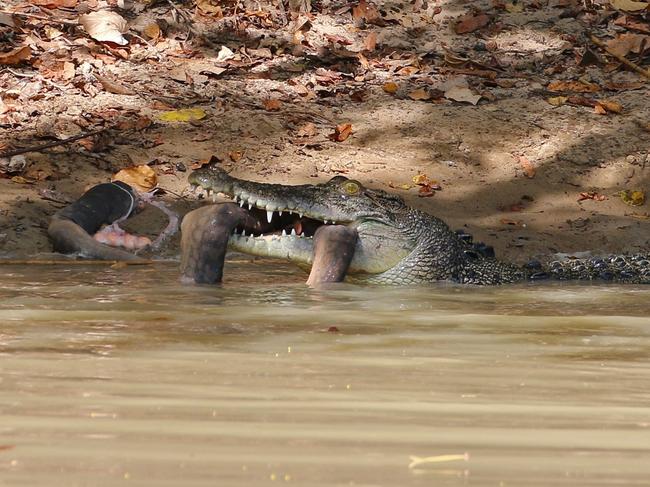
142	178
576	86
390	87
508	221
557	101
15	56
514	7
210	7
224	55
272	104
591	195
629	5
341	132
307	130
623	44
462	94
235	155
363	11
105	26
419	94
527	166
7	19
632	197
152	31
22	180
183	115
470	23
599	109
114	87
55	3
610	106
370	43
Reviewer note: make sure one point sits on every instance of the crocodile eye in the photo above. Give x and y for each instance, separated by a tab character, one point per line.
351	188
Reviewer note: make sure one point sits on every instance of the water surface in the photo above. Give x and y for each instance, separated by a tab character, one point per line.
125	377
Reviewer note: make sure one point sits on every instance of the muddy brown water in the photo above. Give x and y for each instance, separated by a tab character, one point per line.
125	377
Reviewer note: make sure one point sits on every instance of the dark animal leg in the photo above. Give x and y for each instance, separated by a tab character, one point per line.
68	237
204	241
333	251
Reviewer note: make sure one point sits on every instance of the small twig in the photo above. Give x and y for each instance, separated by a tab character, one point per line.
41	17
629	64
38	148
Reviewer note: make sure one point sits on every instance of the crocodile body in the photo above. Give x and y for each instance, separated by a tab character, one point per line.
395	244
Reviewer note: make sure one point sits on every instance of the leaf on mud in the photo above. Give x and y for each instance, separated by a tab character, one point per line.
22	180
599	109
557	101
630	23
224	55
390	87
235	155
341	132
623	44
624	86
632	197
575	86
591	195
427	186
527	166
462	94
610	106
272	104
105	26
405	187
307	130
142	178
419	94
629	5
470	23
15	56
183	115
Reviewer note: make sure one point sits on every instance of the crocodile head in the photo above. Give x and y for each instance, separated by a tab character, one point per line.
284	218
395	244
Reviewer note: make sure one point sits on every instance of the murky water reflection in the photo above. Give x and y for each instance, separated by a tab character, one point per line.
123	376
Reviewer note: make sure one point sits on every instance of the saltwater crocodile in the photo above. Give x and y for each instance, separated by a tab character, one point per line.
392	243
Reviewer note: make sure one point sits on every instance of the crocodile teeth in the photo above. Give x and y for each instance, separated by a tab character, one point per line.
300	215
250	205
284	233
243	233
293	232
325	221
241	202
280	212
269	215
